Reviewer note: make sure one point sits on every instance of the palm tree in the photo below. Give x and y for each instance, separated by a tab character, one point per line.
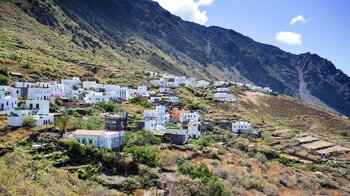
63	123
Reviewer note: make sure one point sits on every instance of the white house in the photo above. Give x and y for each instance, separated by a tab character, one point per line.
266	90
159	83
164	90
154	99
241	127
58	90
201	84
172	99
150	125
124	93
75	81
102	139
174	84
39	93
111	87
25	84
225	97
91	85
152	73
7	102
142	90
70	84
193	129
193	116
37	109
221	83
157	114
190	82
93	97
223	90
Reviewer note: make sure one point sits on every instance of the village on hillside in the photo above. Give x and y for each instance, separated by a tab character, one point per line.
30	104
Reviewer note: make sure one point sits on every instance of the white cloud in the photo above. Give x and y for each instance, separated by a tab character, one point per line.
289	38
187	9
299	19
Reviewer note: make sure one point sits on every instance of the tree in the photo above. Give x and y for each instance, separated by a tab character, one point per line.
4	71
261	159
130	184
142	154
27	65
93	124
63	123
28	121
4	80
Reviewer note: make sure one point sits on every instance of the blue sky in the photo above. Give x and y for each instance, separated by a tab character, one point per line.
323	26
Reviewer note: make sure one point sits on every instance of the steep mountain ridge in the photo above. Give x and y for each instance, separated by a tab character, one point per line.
145	34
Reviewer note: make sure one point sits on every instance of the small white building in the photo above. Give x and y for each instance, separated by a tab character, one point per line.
39	93
266	90
193	129
101	139
142	90
223	90
70	84
157	114
25	84
124	93
159	83
164	90
93	97
75	81
174	84
201	84
150	125
111	87
91	85
37	109
241	127
220	83
152	73
155	99
7	102
172	99
193	116
225	97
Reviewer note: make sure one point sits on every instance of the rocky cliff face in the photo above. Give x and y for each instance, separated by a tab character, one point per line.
145	33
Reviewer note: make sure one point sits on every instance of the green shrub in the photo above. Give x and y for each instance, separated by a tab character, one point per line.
141	138
312	168
344	134
283	160
137	101
15	57
142	154
107	107
130	184
4	80
27	65
216	187
4	71
28	121
88	172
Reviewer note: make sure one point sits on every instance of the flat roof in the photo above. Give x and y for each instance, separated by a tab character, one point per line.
317	145
307	139
88	132
335	148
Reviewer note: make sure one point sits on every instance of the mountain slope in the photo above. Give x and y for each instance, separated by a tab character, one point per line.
143	34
